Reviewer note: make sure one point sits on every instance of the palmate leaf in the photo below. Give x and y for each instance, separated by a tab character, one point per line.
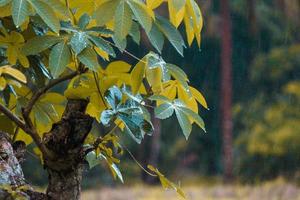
130	113
59	58
20	11
185	116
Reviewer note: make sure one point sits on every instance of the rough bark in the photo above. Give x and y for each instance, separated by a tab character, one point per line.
226	90
66	140
12	181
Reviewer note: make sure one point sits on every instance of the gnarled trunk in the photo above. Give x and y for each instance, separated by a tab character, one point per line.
66	140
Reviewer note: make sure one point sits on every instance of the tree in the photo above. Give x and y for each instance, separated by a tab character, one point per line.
226	90
46	44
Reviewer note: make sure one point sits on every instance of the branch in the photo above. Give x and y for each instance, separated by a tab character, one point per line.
14	118
27	129
43	90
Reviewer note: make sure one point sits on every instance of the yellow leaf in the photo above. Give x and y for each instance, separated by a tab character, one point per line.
95	106
102	53
188	22
13	72
11	54
117	67
24	137
199	97
152	4
189	101
5	11
2	83
137	76
154	77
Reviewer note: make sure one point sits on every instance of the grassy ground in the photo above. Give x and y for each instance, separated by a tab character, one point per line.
276	190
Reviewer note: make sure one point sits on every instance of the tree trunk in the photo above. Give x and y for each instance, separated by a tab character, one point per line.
226	90
66	140
64	185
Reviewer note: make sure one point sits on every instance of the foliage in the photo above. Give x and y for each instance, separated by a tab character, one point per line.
44	43
273	131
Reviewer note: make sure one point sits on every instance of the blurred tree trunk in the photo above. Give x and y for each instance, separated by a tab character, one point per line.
226	90
154	146
252	17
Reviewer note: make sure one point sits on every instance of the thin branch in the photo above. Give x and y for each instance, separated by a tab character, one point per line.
43	90
27	110
127	52
136	161
27	129
14	118
98	88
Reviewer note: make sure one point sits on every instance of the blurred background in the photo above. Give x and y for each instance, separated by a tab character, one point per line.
248	68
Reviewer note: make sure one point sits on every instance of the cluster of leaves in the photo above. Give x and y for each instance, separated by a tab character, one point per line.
272	134
43	41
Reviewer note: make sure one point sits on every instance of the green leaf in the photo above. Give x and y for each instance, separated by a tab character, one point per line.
135	32
117	171
182	118
123	20
46	13
40	43
105	12
102	44
4	2
121	44
156	38
20	11
58	6
179	75
113	96
159	98
89	58
171	33
106	117
92	159
133	125
59	58
192	115
164	111
79	41
84	20
100	29
140	12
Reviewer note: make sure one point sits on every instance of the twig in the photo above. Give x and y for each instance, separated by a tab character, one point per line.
14	118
